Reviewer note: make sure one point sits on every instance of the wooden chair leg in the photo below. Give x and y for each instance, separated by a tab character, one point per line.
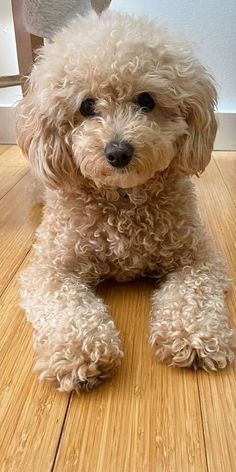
26	43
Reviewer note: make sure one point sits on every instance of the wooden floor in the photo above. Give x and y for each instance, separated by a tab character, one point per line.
149	418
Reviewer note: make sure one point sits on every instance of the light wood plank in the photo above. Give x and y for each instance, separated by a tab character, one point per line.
9	179
217	391
226	163
18	220
32	414
148	418
3	148
13	157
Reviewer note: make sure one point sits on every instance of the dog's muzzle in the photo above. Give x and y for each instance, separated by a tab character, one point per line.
119	154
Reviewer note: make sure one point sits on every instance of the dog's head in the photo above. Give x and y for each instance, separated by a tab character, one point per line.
116	100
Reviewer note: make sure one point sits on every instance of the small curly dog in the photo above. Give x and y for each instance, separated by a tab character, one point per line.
118	115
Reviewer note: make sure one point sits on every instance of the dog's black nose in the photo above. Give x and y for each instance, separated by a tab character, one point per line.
119	154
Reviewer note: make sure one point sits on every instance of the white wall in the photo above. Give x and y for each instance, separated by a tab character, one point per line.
8	57
211	24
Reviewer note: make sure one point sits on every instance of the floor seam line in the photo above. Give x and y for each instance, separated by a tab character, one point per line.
59	442
14	185
203	428
13	275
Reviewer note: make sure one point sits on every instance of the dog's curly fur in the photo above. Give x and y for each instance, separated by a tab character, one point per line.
102	222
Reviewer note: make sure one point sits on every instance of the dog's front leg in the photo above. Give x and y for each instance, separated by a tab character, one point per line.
189	320
76	340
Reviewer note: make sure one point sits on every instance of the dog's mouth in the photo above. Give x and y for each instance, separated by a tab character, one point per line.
139	170
120	163
127	169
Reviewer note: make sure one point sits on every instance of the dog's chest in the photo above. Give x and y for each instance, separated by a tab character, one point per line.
121	239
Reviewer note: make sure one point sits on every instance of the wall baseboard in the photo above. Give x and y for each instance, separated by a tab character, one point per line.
7	125
225	138
226	134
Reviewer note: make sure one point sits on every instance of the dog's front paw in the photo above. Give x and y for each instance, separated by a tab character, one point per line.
209	351
78	362
81	371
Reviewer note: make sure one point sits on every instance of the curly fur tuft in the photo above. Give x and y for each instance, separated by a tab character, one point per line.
189	320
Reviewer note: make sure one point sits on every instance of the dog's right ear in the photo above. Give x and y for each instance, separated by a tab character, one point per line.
43	142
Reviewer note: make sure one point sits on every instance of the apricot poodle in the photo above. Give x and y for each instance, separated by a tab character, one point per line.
118	115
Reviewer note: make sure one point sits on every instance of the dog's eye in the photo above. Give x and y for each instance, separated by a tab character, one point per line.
146	101
87	107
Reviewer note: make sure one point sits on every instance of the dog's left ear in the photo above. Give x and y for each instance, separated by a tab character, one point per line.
196	146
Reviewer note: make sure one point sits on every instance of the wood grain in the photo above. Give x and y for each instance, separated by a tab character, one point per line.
12	157
32	414
9	179
217	391
18	221
3	148
227	170
149	417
